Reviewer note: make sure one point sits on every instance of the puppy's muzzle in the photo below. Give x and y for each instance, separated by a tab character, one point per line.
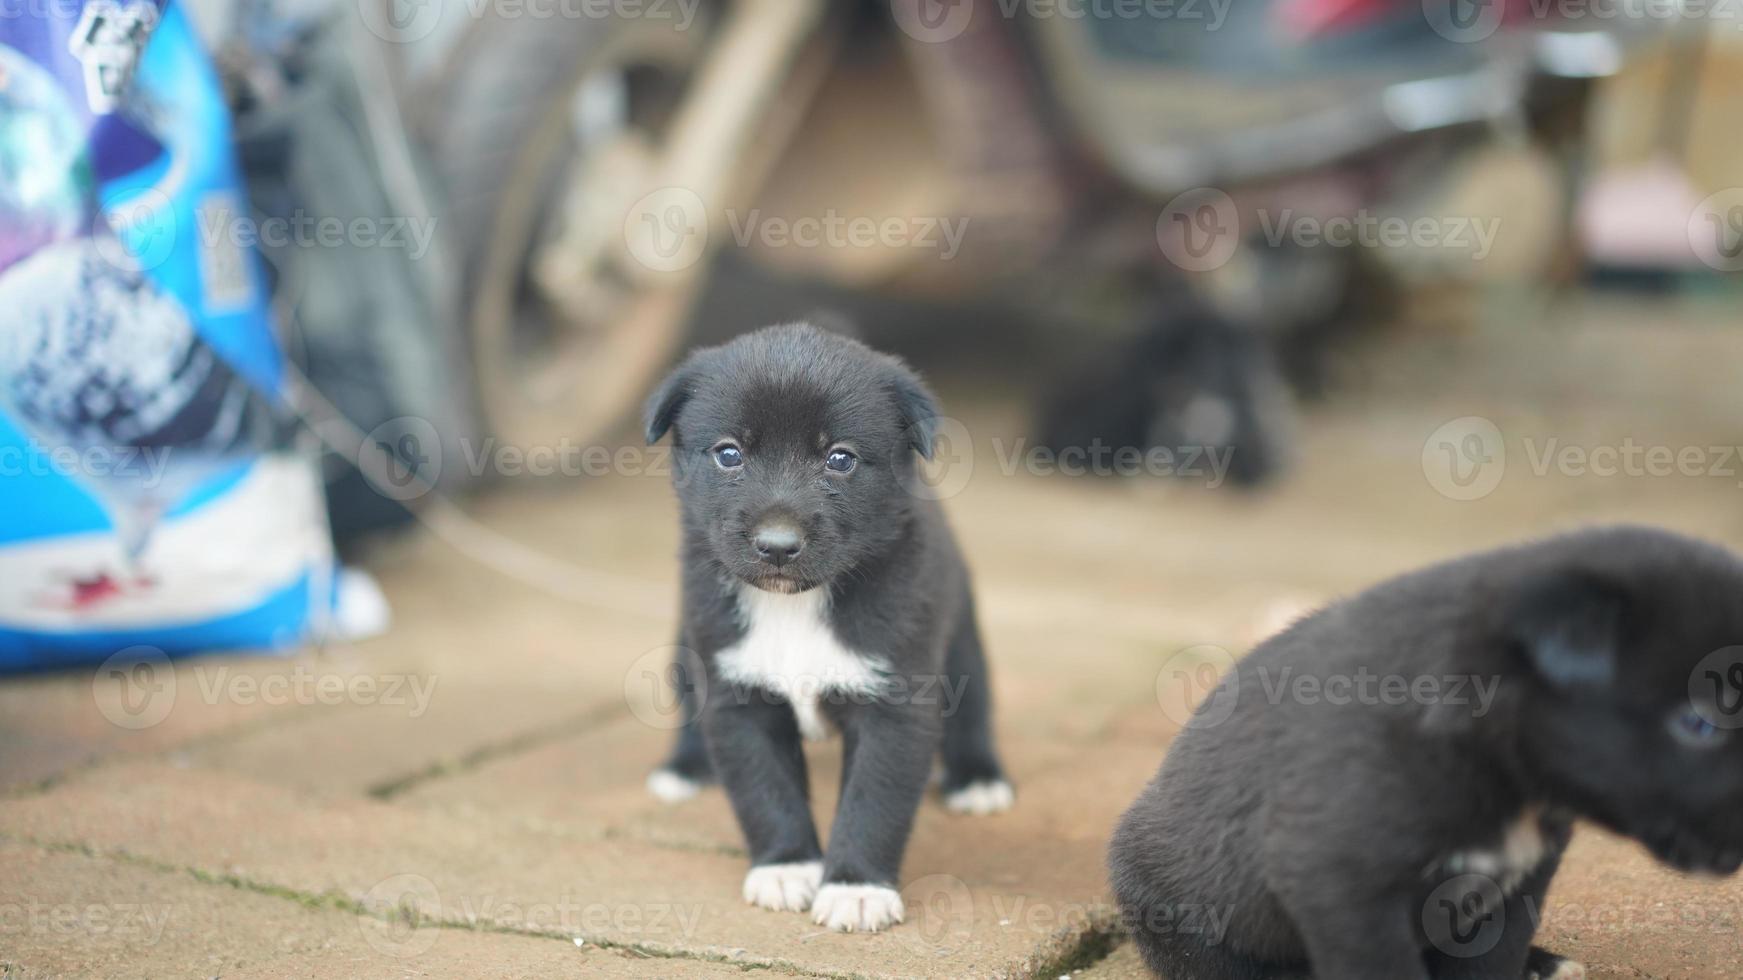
777	543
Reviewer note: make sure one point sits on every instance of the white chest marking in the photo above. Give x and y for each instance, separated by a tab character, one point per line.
1521	851
788	648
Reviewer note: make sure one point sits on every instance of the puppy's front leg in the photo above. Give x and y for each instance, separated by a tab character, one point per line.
755	746
887	757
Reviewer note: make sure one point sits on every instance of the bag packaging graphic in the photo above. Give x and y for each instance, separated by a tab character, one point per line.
146	497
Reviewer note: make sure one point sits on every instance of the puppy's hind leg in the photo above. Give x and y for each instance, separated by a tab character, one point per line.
974	781
687	769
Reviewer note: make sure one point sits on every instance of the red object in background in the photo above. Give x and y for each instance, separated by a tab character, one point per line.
1308	19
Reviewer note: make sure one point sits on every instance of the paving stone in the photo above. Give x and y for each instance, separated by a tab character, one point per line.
52	723
76	915
507	877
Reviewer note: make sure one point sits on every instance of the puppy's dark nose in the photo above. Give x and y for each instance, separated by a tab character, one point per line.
778	544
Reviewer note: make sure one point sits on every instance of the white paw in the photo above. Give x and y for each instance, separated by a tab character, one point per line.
1568	970
669	787
857	908
783	887
981	798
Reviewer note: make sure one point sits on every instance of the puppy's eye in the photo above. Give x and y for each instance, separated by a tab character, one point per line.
1691	726
727	456
840	461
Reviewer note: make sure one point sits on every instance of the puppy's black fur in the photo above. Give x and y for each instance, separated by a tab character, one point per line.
777	518
1378	840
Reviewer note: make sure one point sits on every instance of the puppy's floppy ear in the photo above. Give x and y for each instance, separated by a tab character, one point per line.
918	409
663	405
1569	627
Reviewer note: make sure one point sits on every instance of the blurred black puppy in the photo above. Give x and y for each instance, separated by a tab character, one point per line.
1356	806
819	586
1201	386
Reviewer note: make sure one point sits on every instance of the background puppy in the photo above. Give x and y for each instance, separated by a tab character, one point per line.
821	590
1412	834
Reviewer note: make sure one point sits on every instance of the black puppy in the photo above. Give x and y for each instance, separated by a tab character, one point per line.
821	587
1385	789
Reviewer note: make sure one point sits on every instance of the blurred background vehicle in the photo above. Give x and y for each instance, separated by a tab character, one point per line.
1115	179
1169	225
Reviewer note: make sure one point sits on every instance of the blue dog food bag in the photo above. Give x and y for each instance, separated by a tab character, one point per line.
143	499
